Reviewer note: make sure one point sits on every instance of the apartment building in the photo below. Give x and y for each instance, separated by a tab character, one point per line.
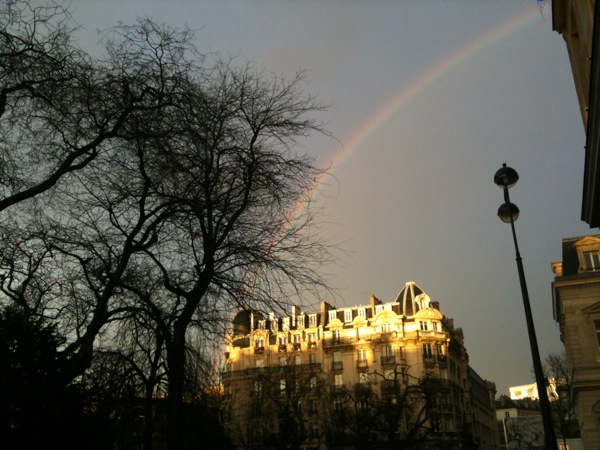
576	300
379	373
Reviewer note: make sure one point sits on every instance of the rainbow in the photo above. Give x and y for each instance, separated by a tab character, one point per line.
425	79
400	100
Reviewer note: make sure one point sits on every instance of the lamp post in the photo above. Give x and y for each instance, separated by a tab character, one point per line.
505	178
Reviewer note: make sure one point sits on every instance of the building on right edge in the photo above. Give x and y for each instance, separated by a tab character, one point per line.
576	304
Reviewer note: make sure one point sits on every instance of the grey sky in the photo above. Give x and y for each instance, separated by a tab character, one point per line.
415	200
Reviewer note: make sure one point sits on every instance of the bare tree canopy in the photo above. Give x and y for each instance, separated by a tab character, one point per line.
150	189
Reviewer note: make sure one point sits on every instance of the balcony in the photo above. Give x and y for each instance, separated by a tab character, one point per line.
259	350
339	341
282	348
337	365
297	346
362	364
388	359
386	336
312	345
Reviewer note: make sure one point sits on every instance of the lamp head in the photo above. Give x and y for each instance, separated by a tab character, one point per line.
508	210
506	177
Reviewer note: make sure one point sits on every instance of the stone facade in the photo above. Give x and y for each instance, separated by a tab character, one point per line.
576	292
290	377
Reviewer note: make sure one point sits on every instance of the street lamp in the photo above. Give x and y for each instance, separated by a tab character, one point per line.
505	178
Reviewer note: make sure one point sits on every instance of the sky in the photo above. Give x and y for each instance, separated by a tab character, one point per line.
428	99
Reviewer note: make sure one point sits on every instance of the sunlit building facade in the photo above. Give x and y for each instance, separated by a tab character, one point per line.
308	366
576	300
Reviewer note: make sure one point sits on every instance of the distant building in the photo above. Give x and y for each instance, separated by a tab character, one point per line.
576	300
287	377
519	423
524	391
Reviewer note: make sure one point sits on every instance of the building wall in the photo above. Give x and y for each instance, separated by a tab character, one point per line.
364	346
573	19
576	292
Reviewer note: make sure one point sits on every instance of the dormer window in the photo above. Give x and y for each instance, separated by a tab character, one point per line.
332	315
348	315
591	260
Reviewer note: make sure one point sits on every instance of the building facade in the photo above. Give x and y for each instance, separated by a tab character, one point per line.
575	20
576	300
395	372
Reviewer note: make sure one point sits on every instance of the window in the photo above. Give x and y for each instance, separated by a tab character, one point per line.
312	337
378	309
281	340
592	260
286	323
361	354
435	326
336	336
283	361
337	361
260	363
313	382
506	414
257	391
387	354
360	332
338	380
312	320
332	315
597	325
297	360
259	346
427	352
387	350
361	360
423	325
401	352
282	385
338	404
385	328
347	315
314	432
301	321
387	307
312	358
363	378
362	312
261	324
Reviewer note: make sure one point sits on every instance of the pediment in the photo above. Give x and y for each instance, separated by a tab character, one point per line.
592	309
336	323
588	241
385	316
429	313
359	321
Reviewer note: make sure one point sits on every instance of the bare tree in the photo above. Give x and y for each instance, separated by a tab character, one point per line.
557	370
147	183
280	410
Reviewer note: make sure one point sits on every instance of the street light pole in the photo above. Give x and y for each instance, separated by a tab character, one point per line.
505	178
